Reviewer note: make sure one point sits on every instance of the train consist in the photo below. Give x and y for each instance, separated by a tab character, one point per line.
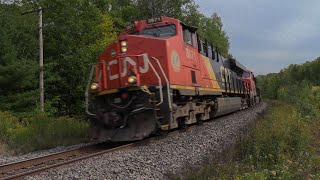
160	74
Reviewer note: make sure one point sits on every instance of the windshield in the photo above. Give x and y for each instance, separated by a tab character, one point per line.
161	31
246	75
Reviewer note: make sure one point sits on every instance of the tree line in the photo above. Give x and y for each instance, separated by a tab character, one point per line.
296	84
75	33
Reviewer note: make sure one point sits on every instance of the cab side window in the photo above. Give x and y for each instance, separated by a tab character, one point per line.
213	55
202	46
187	36
205	48
209	51
194	40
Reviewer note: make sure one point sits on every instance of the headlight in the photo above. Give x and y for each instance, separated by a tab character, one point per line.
124	49
124	46
94	86
132	79
124	43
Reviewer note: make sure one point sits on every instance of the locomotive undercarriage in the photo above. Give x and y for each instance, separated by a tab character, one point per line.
124	116
196	109
134	115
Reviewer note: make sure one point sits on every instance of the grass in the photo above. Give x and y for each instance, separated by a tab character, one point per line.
39	131
2	148
280	145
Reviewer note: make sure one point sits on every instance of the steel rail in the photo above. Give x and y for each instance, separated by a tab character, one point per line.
7	170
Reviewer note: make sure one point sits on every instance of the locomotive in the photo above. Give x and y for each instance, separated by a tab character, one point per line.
159	75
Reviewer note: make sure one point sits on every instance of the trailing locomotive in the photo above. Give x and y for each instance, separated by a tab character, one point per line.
160	74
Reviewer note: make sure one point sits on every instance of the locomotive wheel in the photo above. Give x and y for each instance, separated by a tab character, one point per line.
199	119
182	124
161	132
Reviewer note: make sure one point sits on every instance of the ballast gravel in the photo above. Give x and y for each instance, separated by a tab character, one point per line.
169	155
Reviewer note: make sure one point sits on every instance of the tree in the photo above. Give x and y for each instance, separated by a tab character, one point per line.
18	59
212	30
75	32
296	84
72	45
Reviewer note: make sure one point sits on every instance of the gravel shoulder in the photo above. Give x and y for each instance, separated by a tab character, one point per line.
159	158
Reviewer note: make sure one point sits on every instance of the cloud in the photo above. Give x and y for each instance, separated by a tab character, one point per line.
302	27
268	35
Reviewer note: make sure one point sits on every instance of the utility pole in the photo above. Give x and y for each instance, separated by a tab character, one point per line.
41	82
152	8
41	61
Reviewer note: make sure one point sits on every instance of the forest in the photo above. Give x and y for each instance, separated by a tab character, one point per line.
297	84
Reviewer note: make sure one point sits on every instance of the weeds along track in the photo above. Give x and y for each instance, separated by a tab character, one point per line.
20	169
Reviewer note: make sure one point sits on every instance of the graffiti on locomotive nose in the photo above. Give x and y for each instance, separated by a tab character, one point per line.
127	60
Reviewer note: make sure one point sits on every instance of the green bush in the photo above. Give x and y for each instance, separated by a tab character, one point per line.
40	131
8	123
282	134
279	146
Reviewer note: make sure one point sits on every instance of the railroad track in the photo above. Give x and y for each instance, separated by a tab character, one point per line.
20	169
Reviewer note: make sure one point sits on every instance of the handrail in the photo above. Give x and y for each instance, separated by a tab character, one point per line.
167	81
86	94
159	79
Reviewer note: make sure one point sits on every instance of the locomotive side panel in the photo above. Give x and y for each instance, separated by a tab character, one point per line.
211	76
183	62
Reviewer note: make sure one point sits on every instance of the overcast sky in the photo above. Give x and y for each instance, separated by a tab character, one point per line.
268	35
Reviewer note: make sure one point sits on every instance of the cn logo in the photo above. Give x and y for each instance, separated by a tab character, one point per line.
125	62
